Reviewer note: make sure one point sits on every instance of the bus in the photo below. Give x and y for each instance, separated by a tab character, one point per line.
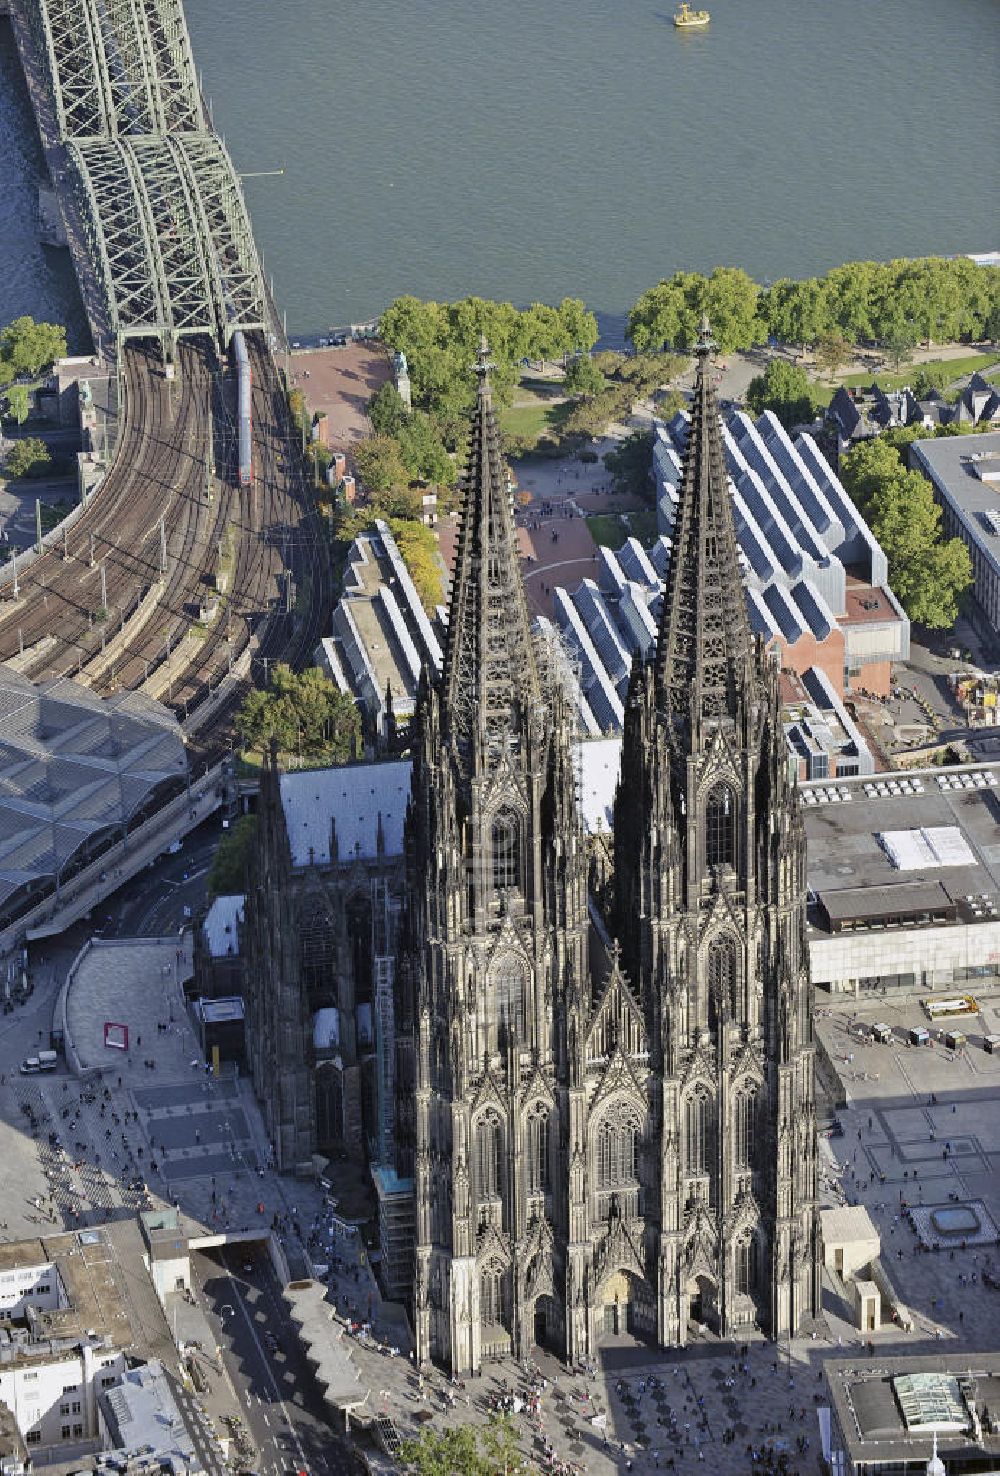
940	1008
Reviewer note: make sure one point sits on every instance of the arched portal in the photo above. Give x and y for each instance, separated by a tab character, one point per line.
625	1309
702	1296
549	1326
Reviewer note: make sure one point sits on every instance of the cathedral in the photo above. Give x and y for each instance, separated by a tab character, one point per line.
601	1078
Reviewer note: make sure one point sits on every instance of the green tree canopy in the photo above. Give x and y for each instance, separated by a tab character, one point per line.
423	451
927	378
929	574
386	410
27	347
228	872
796	312
19	402
441	341
380	465
940	297
583	377
467	1452
631	465
832	352
305	714
28	458
419	549
783	388
669	314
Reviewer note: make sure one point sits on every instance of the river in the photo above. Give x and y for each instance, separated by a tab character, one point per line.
528	149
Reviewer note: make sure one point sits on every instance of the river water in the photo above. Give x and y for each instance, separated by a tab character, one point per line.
528	149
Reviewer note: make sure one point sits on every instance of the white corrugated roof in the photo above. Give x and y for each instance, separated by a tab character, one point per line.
326	1028
352	798
599	763
935	845
220	929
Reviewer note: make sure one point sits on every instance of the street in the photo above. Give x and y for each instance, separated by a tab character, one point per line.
274	1384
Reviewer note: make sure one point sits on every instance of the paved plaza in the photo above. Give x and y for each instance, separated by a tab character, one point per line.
921	1129
715	1406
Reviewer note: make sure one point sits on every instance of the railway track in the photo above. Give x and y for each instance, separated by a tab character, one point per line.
62	592
154	497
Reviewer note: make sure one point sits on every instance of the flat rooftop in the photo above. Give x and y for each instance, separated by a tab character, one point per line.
86	1263
966	471
866	604
889	1411
851	871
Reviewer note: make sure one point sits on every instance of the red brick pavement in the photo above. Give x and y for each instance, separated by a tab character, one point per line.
340	381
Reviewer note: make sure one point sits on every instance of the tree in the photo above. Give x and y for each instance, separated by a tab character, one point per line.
783	388
589	418
28	458
927	378
631	465
796	312
419	549
583	377
467	1452
380	464
27	347
899	343
663	317
304	713
732	301
854	293
228	873
646	373
669	315
386	410
423	452
19	402
928	574
832	352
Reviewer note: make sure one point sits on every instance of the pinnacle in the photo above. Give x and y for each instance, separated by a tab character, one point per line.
489	667
704	638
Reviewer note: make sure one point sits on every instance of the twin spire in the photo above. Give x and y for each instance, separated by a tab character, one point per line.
489	663
704	640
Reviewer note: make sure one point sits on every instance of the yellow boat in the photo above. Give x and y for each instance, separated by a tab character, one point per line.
687	19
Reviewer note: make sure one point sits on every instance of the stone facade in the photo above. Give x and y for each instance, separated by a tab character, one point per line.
601	1057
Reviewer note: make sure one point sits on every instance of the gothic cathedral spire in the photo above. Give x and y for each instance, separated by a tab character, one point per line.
493	955
704	642
489	667
710	909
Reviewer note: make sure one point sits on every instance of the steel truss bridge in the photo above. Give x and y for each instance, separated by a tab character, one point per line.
160	201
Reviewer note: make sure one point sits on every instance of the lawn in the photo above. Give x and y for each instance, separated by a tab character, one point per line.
957	369
528	421
536	414
612	529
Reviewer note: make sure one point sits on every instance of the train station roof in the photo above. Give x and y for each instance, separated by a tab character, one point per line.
75	769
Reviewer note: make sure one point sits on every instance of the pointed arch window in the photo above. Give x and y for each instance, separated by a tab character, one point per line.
744	1127
720	827
538	1149
699	1133
491	1294
618	1147
746	1264
507	976
489	1147
723	983
506	847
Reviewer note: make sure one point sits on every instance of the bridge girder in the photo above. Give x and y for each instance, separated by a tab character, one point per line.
76	69
119	66
167	220
161	201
